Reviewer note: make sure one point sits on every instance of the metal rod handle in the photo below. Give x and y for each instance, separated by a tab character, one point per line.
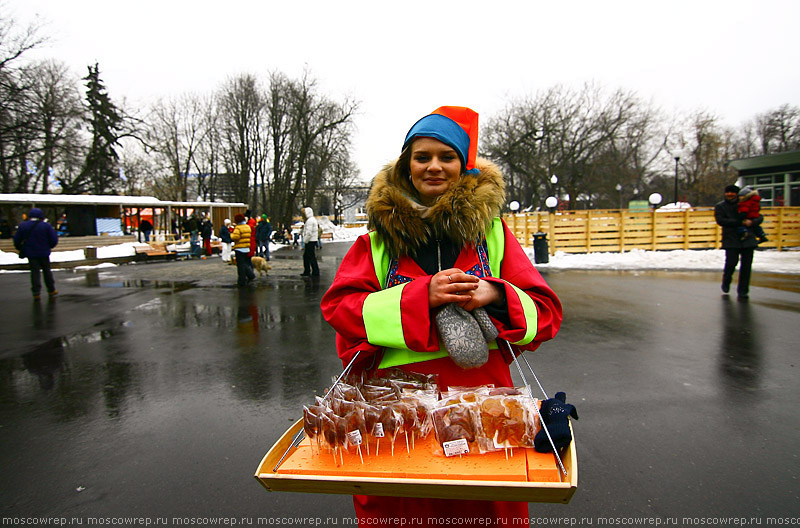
301	434
536	407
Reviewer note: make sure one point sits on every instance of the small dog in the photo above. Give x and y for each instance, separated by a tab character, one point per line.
260	265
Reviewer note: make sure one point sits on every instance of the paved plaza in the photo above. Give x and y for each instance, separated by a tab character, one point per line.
154	390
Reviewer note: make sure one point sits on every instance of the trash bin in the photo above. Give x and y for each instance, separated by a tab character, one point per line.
541	253
90	253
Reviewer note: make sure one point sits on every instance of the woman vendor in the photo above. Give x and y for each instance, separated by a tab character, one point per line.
436	239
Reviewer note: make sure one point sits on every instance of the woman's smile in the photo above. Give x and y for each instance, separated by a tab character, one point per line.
434	167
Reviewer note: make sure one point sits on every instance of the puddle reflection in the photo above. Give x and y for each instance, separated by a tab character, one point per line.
45	362
44	314
740	348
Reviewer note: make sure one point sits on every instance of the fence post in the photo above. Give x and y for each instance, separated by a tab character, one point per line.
551	230
588	230
526	230
653	228
685	229
514	223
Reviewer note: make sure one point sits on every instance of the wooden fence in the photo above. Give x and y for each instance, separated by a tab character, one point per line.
614	230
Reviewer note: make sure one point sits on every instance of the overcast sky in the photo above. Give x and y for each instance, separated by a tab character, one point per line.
401	60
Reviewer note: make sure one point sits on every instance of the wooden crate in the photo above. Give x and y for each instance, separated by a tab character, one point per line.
454	480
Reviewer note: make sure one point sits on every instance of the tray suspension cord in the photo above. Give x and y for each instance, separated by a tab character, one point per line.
301	434
536	407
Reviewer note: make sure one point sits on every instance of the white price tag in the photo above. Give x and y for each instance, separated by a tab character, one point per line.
456	447
378	432
354	437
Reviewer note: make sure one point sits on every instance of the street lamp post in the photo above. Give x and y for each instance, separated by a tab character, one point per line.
677	159
514	206
553	198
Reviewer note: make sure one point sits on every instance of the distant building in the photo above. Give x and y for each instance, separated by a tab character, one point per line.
776	177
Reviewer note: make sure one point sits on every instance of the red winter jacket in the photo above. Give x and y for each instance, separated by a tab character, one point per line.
750	205
342	307
399	317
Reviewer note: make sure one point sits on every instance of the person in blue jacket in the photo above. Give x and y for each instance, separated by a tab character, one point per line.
34	240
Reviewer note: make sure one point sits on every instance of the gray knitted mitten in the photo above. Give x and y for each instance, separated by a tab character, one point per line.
488	328
462	336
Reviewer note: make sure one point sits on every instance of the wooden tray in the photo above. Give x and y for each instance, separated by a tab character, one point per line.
528	477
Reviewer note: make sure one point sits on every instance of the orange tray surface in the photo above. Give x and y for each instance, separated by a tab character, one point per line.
520	474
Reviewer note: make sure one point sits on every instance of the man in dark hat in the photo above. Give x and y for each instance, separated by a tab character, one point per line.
34	239
738	250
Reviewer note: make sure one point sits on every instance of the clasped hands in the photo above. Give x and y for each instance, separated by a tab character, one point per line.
469	292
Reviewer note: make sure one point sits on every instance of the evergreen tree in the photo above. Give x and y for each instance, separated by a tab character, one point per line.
100	170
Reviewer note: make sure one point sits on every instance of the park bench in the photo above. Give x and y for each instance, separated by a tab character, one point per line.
73	243
153	250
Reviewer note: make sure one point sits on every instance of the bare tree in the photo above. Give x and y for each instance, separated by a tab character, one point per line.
307	132
177	127
279	108
16	134
707	148
207	157
241	104
16	40
140	174
591	141
779	129
56	118
514	139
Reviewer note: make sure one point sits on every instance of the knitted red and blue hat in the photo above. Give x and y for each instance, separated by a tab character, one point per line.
455	126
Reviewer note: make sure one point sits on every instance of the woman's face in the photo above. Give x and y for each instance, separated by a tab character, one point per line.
434	167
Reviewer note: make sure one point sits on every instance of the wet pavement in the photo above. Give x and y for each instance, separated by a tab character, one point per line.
154	390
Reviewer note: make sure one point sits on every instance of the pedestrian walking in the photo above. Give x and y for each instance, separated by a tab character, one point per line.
206	230
34	240
241	237
252	223
310	238
225	236
738	250
192	225
263	234
435	247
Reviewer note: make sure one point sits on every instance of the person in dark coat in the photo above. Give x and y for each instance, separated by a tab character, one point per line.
5	229
206	230
146	228
225	236
34	240
192	225
737	250
263	234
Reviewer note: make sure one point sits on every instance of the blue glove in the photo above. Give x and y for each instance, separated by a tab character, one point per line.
555	415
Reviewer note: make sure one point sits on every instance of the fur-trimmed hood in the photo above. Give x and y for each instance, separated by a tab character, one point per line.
461	214
747	193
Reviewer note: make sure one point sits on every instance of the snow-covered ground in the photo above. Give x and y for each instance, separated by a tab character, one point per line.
689	260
